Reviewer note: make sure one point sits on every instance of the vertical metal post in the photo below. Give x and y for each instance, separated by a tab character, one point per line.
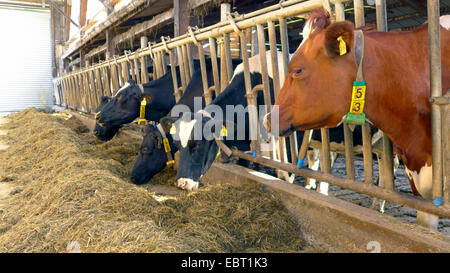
283	74
185	63
367	153
348	134
358	6
387	166
181	67
436	91
215	65
339	10
325	163
143	61
251	98
276	81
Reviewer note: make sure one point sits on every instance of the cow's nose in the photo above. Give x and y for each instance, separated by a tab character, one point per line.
266	122
187	184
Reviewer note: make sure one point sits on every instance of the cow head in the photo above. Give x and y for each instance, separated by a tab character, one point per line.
124	106
317	91
104	133
152	157
193	135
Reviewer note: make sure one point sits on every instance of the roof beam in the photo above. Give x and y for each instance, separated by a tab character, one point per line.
140	29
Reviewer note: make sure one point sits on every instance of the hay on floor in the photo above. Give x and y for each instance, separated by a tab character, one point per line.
70	190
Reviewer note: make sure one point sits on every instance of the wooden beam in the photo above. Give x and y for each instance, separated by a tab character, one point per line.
83	10
181	17
69	12
139	29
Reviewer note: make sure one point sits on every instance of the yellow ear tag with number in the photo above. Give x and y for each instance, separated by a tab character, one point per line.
342	46
224	131
173	129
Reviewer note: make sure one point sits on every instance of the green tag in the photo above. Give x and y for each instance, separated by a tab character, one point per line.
358	119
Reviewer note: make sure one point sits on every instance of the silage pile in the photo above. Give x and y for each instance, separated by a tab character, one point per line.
70	190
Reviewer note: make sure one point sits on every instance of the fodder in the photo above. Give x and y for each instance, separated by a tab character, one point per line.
71	191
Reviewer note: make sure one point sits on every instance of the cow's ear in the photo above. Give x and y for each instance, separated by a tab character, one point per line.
167	123
339	38
105	99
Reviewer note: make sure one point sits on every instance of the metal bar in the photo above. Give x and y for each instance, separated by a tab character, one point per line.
215	66
276	82
388	166
100	88
339	10
435	91
185	63
174	75
367	153
359	13
264	74
181	67
201	56
350	184
251	98
381	15
325	163
219	29
189	59
349	159
106	82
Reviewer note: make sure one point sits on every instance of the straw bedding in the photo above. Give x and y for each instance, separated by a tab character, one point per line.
68	189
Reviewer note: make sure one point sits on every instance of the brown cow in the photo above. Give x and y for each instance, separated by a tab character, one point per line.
317	91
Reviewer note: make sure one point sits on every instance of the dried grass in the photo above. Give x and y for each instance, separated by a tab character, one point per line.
69	188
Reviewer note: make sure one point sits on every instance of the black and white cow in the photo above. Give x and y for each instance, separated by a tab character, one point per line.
152	157
197	153
124	106
104	133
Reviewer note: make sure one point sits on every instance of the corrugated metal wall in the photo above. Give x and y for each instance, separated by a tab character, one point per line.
25	59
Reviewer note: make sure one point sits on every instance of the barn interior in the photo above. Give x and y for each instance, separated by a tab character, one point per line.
85	33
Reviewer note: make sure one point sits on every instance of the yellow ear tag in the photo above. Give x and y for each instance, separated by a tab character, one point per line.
342	46
224	131
173	129
142	119
166	145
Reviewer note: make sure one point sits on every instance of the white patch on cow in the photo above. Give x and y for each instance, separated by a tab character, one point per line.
186	128
445	21
307	30
123	87
423	183
422	180
187	184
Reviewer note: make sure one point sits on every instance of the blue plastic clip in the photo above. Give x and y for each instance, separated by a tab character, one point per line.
300	163
254	153
154	125
438	201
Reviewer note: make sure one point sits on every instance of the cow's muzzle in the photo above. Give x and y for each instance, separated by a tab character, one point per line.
187	184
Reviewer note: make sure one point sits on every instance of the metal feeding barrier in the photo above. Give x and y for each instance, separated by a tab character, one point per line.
82	89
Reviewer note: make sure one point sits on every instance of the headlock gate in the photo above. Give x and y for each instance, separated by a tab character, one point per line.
81	90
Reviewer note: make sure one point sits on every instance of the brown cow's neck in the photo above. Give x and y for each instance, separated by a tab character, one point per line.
397	92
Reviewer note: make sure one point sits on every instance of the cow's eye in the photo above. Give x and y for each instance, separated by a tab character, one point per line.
297	73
